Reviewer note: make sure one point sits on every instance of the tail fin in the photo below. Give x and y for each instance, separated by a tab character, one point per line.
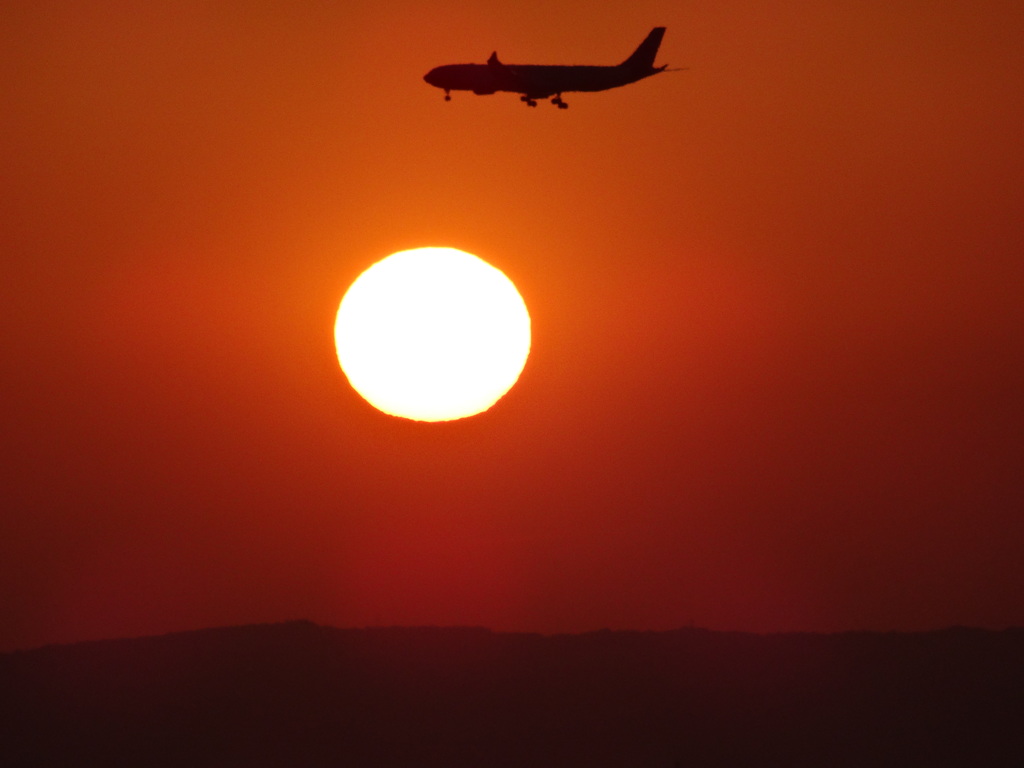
643	57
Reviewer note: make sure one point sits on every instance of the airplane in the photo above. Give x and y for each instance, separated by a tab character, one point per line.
542	82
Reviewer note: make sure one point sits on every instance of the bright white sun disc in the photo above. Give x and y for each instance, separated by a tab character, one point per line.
432	334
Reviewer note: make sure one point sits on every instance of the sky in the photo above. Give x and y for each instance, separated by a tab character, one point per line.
777	304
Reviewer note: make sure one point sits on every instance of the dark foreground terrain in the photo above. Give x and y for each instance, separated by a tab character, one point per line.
298	694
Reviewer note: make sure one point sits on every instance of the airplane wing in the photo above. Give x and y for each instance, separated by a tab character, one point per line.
508	77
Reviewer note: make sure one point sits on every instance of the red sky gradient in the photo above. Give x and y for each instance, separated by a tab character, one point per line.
777	301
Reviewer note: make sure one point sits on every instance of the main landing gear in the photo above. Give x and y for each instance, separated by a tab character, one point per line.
556	100
447	96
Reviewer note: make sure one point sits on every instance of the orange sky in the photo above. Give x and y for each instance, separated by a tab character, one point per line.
777	301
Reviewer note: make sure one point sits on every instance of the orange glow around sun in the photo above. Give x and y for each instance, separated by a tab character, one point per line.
432	334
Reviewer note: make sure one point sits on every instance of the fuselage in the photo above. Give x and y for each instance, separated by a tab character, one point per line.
533	80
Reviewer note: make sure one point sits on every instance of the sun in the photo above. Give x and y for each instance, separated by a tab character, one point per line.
432	334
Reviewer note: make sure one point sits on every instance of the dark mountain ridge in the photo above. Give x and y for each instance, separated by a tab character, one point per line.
299	694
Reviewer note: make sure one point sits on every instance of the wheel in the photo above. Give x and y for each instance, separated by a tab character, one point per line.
562	105
447	97
532	103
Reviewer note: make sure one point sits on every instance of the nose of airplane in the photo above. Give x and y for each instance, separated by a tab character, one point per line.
431	76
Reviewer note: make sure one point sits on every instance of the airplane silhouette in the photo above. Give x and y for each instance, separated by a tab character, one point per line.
541	82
